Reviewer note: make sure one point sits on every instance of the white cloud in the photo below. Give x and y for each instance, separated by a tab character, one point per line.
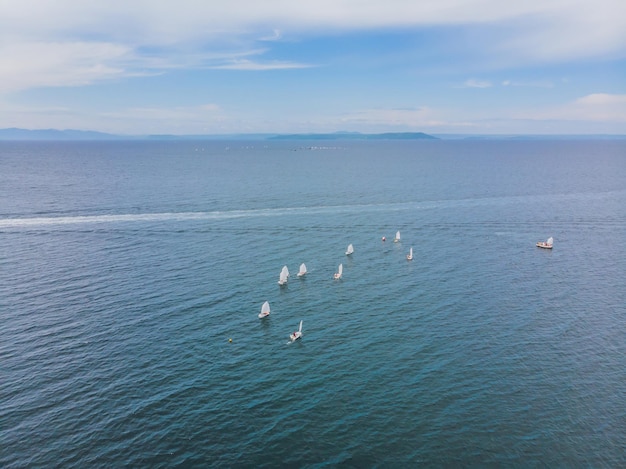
534	30
27	65
258	66
596	107
472	83
602	99
276	35
163	20
599	107
529	84
580	30
201	119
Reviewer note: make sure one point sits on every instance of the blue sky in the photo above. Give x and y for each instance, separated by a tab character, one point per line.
245	66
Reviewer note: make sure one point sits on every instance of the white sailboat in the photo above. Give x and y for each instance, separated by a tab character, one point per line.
302	271
284	276
297	334
397	238
350	249
339	273
409	256
265	310
546	244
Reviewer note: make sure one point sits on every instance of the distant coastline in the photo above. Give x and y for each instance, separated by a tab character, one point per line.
16	134
53	134
357	136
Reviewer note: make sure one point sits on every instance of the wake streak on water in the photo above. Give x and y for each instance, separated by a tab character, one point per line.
8	223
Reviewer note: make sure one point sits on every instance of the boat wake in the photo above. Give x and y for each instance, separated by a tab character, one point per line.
25	222
33	222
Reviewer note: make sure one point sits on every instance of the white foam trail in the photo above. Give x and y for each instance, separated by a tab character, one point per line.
89	219
275	212
183	216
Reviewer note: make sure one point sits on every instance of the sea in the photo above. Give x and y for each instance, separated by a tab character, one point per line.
132	274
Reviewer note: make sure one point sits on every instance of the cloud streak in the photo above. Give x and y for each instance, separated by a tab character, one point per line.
259	66
595	107
472	83
28	65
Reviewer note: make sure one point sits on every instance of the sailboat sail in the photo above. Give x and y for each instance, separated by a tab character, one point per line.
297	334
397	238
265	310
284	275
350	249
302	270
546	244
410	255
339	272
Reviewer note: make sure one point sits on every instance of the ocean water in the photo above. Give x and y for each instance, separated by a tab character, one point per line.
126	267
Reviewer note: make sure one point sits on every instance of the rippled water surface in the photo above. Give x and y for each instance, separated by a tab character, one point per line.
126	267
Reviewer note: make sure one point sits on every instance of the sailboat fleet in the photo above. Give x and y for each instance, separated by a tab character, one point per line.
284	277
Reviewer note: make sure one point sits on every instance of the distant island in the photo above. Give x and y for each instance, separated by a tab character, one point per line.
357	136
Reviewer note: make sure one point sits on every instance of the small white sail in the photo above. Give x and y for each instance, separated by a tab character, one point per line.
339	273
410	254
546	244
284	275
350	249
302	270
397	238
265	310
297	334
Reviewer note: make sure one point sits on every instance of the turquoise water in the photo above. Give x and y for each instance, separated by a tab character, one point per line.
126	267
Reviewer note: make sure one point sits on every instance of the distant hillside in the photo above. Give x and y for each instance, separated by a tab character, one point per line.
52	134
357	136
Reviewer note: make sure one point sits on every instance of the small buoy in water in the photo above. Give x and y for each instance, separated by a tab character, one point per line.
230	340
384	239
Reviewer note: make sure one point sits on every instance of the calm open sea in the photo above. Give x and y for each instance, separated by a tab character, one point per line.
126	267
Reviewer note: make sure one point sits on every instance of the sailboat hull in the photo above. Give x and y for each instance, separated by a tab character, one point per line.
544	245
263	315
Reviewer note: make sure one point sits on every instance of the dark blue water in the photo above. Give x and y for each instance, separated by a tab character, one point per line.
126	267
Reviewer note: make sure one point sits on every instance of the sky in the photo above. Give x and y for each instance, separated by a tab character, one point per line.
138	67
